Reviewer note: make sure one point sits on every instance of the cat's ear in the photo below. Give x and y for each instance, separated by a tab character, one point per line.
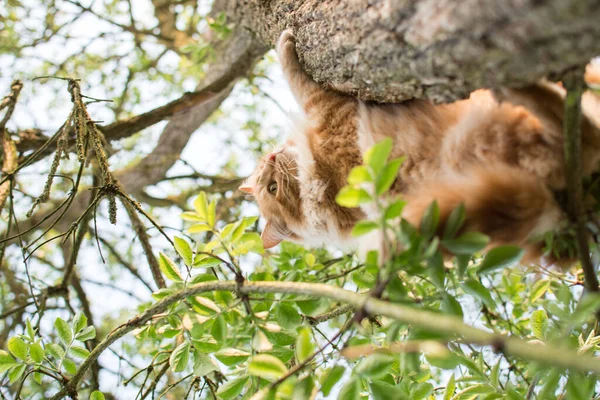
246	187
272	235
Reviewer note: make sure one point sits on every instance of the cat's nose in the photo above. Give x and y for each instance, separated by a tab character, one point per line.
273	156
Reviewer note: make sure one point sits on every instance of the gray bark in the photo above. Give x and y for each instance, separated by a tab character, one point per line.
392	50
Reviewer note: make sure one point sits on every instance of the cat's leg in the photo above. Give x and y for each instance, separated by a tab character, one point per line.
302	85
545	101
507	204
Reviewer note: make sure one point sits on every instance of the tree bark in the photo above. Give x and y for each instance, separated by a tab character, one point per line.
393	50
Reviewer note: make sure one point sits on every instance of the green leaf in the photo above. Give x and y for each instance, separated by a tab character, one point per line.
37	376
587	306
18	347
203	278
55	350
430	220
467	243
162	293
476	289
364	227
64	331
203	364
287	316
79	352
97	395
580	386
549	388
86	334
30	331
495	375
539	289
351	390
168	268
207	344
451	306
281	338
205	261
385	391
204	306
388	176
191	216
455	221
333	376
462	262
304	388
304	345
201	206
352	197
232	388
240	227
375	366
6	361
358	175
312	307
500	257
422	391
394	210
69	366
16	373
199	228
79	322
250	241
310	259
219	329
36	352
180	357
184	250
267	367
285	354
211	213
451	387
231	356
376	157
539	323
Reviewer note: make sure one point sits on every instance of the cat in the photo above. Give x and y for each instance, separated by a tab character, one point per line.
498	153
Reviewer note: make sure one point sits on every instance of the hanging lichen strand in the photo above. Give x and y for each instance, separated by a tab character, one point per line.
85	129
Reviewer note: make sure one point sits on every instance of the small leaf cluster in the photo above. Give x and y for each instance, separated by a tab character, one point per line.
28	354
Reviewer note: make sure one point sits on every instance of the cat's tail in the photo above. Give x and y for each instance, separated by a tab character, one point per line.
507	204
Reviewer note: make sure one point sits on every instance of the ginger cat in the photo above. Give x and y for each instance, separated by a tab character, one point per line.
500	154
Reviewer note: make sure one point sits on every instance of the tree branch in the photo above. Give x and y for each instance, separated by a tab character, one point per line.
546	355
9	152
442	50
235	57
574	83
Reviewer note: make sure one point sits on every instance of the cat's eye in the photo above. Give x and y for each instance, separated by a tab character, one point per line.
272	187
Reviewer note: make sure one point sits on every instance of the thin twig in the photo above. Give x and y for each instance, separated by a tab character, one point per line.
574	83
140	231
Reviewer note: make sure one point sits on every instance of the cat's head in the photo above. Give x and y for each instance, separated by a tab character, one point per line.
276	188
296	196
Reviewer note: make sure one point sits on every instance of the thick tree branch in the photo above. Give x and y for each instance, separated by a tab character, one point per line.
438	49
125	128
434	322
235	57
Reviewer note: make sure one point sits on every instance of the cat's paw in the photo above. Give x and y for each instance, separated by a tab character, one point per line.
286	46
